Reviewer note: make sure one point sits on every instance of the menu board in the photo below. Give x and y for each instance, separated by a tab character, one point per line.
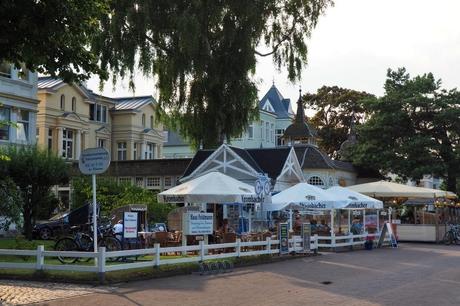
130	225
284	238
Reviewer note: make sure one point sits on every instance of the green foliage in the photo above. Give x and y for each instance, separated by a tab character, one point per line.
203	55
51	36
414	129
336	108
10	203
34	171
111	194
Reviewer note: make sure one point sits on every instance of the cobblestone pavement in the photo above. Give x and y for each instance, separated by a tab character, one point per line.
21	292
411	275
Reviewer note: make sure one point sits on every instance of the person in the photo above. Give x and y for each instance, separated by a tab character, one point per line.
297	224
118	230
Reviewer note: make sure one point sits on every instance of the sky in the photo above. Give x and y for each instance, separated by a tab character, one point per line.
354	44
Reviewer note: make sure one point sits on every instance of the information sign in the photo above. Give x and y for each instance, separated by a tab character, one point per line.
306	236
196	223
94	161
130	225
283	234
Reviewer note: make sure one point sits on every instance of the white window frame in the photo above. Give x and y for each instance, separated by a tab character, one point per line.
5	116
67	146
121	150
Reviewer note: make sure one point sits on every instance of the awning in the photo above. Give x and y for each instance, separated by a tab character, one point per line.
355	200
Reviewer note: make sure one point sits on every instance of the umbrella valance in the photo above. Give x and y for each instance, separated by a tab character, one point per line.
355	200
213	187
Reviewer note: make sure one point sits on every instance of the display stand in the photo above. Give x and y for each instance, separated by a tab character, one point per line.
387	230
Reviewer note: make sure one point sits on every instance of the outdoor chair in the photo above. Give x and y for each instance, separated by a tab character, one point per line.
176	240
228	238
162	238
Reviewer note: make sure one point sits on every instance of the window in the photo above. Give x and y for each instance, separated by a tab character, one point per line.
151	122
92	108
153	182
168	181
50	139
67	143
101	143
267	131
62	102
262	130
149	154
279	137
22	126
125	180
4	128
315	181
104	114
98	112
140	181
250	131
74	104
143	120
121	151
272	133
134	151
5	70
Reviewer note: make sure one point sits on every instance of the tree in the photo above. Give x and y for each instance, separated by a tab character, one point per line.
203	55
51	36
10	205
34	171
414	129
336	109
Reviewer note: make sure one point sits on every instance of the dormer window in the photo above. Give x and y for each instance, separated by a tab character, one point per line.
268	107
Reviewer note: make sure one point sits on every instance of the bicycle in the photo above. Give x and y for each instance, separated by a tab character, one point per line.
452	235
82	242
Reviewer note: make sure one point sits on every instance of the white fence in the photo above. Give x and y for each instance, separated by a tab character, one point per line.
195	253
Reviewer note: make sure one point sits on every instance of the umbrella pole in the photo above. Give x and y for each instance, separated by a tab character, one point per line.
349	221
364	220
378	221
290	220
332	222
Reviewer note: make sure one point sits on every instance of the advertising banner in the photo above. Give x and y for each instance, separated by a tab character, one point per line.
130	225
284	238
306	235
196	223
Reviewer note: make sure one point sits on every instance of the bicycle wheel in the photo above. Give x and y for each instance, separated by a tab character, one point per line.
66	244
111	244
86	245
448	237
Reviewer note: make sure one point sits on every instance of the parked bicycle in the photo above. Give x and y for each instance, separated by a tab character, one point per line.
452	235
83	242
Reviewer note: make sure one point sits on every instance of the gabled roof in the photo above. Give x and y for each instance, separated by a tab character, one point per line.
281	106
270	161
132	103
299	129
310	157
174	139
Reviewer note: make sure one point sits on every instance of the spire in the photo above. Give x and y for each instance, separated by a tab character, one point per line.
300	116
352	133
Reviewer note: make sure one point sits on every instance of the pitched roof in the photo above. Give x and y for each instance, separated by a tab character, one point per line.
270	161
299	128
281	106
48	82
310	157
174	139
132	103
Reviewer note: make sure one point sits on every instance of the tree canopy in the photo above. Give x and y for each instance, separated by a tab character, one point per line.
51	36
414	129
34	171
336	110
203	55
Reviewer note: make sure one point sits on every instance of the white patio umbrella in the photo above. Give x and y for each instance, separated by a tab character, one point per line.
384	189
213	187
356	201
304	196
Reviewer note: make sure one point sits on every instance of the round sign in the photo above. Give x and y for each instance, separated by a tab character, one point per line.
267	187
259	188
94	161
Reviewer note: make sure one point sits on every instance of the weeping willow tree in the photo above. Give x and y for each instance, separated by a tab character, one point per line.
203	55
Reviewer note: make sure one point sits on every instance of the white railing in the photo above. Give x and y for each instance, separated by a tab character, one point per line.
347	241
195	253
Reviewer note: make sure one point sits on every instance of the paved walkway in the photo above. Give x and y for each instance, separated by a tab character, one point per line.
414	274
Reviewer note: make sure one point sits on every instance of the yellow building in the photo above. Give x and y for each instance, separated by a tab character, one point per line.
72	118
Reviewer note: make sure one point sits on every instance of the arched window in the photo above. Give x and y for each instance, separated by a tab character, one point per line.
62	102
151	122
74	104
143	120
315	181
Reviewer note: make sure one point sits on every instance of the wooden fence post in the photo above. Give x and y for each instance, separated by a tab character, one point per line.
202	250
40	258
238	247
157	254
101	264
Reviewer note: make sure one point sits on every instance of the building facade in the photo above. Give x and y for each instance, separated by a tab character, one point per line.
72	118
18	105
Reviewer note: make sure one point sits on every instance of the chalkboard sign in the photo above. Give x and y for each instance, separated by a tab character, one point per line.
284	238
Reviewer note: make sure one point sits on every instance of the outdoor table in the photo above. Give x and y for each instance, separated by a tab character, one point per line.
149	238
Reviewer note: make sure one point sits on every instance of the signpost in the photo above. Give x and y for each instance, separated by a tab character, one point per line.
283	234
94	161
130	225
306	236
196	223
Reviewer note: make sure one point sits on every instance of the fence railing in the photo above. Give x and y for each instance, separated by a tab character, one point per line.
104	261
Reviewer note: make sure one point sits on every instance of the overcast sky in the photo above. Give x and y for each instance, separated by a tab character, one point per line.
357	41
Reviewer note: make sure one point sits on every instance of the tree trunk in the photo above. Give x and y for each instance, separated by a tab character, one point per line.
27	221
